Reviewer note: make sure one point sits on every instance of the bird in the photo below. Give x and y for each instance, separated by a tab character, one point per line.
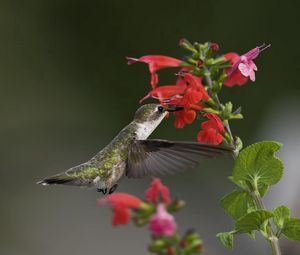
132	154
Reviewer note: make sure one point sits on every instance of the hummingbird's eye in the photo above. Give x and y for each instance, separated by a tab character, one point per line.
160	108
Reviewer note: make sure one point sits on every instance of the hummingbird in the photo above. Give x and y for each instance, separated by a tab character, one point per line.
131	154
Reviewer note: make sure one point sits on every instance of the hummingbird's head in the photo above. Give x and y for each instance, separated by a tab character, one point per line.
150	113
153	112
149	116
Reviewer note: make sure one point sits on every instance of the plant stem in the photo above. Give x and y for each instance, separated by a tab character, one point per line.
217	100
271	237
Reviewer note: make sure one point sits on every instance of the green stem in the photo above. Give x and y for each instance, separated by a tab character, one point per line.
209	82
271	237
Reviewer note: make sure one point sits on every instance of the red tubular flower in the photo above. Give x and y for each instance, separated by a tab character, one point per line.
157	190
212	130
196	83
155	63
184	117
165	92
121	204
242	67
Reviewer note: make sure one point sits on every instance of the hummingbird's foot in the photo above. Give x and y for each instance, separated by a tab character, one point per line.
104	191
113	189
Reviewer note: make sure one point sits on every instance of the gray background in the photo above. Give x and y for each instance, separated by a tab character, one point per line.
66	91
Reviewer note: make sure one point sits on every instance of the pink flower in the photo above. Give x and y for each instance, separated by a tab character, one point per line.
155	63
242	67
157	190
162	223
121	204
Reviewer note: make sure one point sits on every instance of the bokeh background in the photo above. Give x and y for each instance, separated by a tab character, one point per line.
66	91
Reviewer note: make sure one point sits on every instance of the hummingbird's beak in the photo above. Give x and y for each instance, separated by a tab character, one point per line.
174	108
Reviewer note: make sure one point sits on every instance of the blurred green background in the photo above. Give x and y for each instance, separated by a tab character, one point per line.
66	91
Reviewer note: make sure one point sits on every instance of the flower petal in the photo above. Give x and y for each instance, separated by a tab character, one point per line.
164	92
210	136
214	122
121	215
156	190
155	63
245	69
121	200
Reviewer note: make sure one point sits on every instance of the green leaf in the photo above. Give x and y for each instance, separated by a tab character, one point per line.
281	214
257	165
226	238
292	229
262	188
252	221
237	204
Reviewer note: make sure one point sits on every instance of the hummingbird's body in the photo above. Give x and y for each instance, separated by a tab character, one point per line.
129	152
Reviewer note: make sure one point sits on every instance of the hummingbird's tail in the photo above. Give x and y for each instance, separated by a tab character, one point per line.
58	179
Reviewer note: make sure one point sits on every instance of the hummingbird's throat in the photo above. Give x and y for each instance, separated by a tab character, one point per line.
145	129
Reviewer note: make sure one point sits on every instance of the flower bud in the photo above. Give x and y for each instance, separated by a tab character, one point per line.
187	45
170	250
157	245
176	205
214	47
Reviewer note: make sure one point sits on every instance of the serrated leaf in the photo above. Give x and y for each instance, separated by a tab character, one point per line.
226	238
281	214
238	203
252	221
258	165
292	229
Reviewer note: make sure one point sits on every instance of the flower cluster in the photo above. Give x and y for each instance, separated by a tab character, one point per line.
156	211
199	79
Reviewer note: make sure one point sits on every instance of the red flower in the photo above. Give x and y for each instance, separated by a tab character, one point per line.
184	117
242	67
212	130
121	203
155	63
193	94
164	92
196	83
157	190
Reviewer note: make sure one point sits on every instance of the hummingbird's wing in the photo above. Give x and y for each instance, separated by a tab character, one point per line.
159	157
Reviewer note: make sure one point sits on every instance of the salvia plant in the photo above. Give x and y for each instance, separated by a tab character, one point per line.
202	74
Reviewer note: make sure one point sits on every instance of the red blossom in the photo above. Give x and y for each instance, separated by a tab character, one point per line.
157	190
164	92
121	204
155	63
196	83
184	117
212	130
